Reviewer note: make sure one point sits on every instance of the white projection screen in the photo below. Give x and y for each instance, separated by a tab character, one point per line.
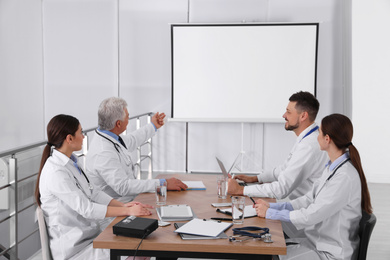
240	72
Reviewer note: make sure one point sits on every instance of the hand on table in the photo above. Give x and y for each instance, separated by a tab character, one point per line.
261	208
234	188
175	184
138	210
132	203
246	178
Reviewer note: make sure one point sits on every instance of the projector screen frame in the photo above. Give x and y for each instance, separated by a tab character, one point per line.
235	119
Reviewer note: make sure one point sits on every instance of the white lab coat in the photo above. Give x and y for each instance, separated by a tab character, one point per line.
295	177
330	214
71	217
112	171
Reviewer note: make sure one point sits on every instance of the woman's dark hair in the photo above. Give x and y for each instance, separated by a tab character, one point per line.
58	129
339	128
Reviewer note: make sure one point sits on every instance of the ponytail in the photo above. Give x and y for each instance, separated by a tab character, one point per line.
355	160
339	128
46	153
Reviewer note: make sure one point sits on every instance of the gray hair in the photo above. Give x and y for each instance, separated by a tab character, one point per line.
111	110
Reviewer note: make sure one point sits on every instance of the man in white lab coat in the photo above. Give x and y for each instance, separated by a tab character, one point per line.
109	164
305	163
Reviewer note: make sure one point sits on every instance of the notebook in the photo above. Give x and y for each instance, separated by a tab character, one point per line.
249	211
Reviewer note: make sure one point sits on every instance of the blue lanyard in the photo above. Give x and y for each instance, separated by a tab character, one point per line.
311	131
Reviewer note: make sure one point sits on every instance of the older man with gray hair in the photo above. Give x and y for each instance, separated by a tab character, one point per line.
109	164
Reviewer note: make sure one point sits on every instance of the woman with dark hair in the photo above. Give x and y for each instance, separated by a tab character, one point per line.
329	214
70	205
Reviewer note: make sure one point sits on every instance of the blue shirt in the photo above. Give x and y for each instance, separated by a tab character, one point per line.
74	160
336	162
281	210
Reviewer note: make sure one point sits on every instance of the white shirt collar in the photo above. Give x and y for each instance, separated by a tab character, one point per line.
304	132
62	158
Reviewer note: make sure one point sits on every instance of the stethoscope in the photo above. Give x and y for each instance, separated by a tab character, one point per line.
90	187
126	156
238	233
333	173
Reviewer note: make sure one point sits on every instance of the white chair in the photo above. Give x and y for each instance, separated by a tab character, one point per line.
46	254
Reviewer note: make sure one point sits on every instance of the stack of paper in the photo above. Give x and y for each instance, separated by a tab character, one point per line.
195	185
202	227
175	213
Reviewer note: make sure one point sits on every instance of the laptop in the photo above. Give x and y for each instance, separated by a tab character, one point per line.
225	173
223	169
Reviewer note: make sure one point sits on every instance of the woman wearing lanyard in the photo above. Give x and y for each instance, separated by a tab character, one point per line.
70	205
329	214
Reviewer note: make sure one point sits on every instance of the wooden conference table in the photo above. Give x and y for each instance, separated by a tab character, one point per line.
163	242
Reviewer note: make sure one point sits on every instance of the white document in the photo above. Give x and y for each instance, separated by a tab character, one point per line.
195	185
176	211
202	227
249	211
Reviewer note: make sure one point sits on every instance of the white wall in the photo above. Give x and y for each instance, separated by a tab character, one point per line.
95	49
145	70
145	76
21	104
21	73
80	57
371	85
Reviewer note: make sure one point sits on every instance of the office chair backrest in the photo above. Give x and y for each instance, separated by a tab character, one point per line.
46	254
367	224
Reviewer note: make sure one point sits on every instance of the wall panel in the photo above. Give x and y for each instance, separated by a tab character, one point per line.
371	86
145	70
80	57
21	73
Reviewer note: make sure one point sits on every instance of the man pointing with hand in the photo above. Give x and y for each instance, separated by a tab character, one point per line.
109	163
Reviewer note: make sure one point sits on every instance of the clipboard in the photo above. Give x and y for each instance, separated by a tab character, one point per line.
189	237
202	227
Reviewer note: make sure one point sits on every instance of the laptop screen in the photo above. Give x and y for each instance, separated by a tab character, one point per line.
223	169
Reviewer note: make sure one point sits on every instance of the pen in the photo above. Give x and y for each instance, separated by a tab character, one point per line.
254	203
227	213
228	219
